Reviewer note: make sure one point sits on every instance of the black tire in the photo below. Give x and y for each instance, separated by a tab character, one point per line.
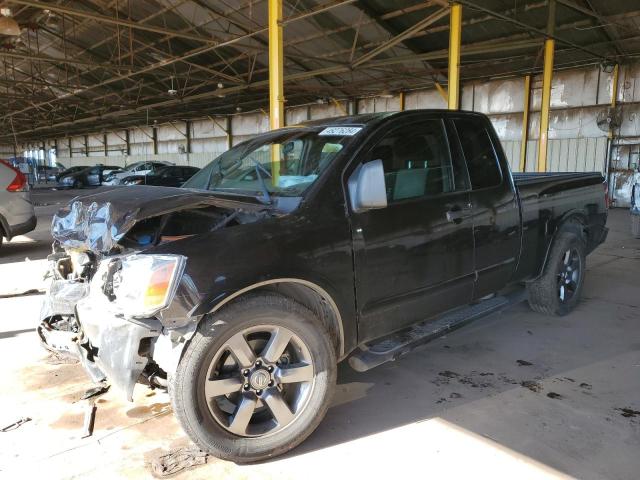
186	387
544	294
635	225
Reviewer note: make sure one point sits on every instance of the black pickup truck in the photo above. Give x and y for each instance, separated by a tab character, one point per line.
358	237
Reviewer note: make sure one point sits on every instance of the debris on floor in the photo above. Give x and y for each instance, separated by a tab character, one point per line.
15	424
531	385
628	412
177	461
91	396
59	358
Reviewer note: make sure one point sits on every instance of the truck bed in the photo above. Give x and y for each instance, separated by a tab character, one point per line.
546	200
531	178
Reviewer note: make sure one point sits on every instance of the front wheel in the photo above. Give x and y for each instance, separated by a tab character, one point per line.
558	290
256	379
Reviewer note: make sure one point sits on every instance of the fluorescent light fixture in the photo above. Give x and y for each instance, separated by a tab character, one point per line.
8	26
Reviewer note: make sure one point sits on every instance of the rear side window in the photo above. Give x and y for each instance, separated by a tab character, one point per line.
482	163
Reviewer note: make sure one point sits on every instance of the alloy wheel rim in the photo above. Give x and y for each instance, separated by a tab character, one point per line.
259	381
569	275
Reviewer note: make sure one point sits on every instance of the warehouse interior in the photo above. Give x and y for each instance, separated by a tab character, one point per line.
114	82
184	80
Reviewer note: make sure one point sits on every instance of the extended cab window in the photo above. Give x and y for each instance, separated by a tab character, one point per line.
417	162
482	163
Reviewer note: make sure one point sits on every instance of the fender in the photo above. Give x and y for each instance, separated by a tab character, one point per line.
6	232
578	216
212	305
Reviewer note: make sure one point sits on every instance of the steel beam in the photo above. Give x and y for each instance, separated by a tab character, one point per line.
455	37
154	131
188	135
67	61
531	28
547	78
229	133
182	57
439	54
431	19
113	21
525	123
442	92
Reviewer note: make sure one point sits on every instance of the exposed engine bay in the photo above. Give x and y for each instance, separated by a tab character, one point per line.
92	309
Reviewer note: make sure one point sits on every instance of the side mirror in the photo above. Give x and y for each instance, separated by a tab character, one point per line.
367	187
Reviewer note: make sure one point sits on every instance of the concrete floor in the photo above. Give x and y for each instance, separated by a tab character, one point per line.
456	408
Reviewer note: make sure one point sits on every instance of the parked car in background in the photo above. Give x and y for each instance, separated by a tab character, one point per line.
69	171
17	216
173	176
49	172
92	176
109	170
138	168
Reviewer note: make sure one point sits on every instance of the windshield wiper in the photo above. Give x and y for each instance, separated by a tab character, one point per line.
265	192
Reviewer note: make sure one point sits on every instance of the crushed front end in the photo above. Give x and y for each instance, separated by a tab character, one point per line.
123	312
110	320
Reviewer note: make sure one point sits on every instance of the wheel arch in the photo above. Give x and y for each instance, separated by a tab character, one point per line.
307	293
576	220
4	228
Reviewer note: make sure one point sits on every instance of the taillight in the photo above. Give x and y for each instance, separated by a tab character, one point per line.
19	183
606	193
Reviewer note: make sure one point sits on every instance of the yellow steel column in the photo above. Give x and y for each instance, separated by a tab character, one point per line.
455	33
547	77
525	123
401	101
276	84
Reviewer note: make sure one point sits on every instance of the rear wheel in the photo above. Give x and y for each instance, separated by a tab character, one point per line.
558	290
256	379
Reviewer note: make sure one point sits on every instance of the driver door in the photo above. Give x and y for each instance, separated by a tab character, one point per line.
415	257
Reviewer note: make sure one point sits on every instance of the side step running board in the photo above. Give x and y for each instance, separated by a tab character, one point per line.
400	343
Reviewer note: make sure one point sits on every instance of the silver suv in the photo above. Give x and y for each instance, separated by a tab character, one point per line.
16	210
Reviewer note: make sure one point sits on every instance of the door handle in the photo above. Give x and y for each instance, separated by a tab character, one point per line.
456	214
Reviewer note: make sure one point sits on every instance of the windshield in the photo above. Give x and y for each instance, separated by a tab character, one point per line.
283	163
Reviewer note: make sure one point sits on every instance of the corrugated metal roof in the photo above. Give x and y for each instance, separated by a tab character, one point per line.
80	66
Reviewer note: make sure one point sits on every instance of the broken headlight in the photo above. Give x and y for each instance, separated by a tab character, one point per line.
145	284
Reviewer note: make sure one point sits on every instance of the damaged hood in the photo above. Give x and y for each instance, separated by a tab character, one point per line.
97	222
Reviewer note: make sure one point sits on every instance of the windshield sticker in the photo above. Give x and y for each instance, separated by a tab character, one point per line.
341	131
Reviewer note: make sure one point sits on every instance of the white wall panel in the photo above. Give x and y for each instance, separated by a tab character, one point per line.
296	115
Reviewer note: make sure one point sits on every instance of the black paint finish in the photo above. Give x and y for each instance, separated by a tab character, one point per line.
385	269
